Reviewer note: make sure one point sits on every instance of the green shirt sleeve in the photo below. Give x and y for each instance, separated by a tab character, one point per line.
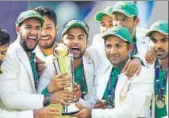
45	92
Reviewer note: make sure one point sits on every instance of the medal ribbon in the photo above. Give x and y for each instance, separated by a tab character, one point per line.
160	87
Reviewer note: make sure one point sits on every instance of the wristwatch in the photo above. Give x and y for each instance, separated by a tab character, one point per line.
47	101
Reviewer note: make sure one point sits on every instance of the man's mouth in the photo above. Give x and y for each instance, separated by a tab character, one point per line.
159	52
31	40
75	50
45	38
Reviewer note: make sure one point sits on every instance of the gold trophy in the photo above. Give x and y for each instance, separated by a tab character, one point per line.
63	63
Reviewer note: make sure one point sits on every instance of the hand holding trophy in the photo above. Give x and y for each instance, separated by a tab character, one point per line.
63	63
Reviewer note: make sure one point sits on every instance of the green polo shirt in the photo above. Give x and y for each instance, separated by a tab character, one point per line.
112	82
160	112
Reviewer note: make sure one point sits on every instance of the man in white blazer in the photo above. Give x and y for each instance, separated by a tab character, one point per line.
125	13
104	17
74	35
125	97
159	45
20	77
40	113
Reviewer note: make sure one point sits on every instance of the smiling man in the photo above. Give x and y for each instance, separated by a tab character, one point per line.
75	36
20	78
115	94
47	41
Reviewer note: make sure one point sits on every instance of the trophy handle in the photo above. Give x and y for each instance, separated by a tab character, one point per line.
56	66
72	69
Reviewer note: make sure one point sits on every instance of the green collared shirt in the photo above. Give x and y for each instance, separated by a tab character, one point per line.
160	112
111	85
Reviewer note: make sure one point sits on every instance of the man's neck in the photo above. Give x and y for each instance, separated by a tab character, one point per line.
47	51
121	66
77	62
164	63
134	36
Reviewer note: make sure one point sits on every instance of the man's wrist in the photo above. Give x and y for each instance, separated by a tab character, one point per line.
47	100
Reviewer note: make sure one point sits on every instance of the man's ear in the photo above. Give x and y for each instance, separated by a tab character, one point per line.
137	21
17	29
130	47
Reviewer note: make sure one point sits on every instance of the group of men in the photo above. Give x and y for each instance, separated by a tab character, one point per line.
122	74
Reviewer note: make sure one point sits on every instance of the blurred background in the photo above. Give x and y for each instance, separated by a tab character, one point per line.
149	12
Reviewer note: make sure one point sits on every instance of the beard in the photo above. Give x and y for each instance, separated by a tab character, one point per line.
48	46
24	44
26	48
79	56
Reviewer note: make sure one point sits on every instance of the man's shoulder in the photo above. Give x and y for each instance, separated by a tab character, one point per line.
13	47
146	75
141	32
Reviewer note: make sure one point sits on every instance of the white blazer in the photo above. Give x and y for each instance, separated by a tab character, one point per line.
132	97
17	89
90	67
98	44
19	114
142	43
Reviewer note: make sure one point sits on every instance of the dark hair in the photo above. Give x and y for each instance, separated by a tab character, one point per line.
135	17
45	11
4	37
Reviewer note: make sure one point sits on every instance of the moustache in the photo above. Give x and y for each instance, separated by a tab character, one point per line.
159	50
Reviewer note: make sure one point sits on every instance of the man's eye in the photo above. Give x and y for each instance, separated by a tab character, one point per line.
28	27
118	46
164	40
108	46
153	40
3	53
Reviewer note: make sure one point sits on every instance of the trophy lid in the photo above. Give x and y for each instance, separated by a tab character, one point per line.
61	50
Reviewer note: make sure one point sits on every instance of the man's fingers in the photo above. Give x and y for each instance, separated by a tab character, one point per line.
60	75
133	70
80	106
38	60
125	68
63	102
138	71
54	112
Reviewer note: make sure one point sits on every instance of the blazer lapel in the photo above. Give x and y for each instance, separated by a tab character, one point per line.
103	81
22	56
121	88
88	71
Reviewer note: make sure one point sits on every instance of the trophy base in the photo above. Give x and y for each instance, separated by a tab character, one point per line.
70	109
